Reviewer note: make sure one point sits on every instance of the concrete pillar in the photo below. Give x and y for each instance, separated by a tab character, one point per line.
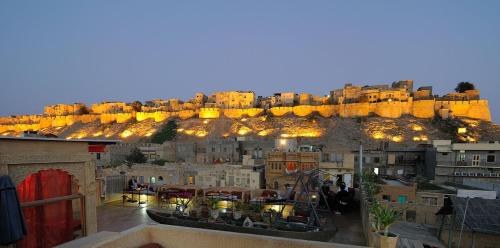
90	199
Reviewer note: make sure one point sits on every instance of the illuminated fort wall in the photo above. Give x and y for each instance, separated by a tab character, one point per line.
477	109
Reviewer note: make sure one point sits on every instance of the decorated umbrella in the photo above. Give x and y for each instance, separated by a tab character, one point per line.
12	227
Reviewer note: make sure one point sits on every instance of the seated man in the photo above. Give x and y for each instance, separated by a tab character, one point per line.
132	184
341	199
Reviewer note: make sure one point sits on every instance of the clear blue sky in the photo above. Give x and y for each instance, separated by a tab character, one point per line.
90	51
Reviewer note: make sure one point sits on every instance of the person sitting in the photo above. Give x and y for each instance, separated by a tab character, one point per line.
132	184
341	199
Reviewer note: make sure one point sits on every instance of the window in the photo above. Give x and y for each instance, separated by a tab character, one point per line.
402	199
152	180
475	160
98	156
490	159
376	160
386	197
461	157
411	215
429	200
213	149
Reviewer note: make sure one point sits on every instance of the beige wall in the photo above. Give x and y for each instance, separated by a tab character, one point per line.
185	237
20	158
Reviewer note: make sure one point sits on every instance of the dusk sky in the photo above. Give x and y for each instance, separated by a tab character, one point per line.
91	51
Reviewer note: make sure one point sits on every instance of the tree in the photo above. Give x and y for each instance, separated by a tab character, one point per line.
136	156
166	133
136	105
83	111
464	86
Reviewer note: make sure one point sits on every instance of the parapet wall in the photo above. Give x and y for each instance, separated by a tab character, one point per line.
476	109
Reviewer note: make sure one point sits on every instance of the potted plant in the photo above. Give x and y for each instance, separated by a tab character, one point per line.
254	210
269	216
383	216
213	207
370	186
237	210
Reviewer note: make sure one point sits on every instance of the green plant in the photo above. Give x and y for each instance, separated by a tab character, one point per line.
270	215
255	208
166	133
136	156
464	86
136	105
213	203
383	216
370	185
160	162
114	163
237	205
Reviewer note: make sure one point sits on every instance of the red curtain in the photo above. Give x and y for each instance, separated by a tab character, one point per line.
52	224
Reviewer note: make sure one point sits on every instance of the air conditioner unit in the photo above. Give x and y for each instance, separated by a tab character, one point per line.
464	174
472	174
456	174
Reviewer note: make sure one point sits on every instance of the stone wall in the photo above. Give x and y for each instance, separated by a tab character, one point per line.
476	109
423	109
186	237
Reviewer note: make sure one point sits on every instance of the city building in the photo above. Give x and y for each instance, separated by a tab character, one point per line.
249	177
234	99
394	161
338	166
473	164
281	167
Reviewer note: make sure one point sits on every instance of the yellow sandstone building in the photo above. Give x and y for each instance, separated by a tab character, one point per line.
392	101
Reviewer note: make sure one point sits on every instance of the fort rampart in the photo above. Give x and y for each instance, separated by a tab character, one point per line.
476	109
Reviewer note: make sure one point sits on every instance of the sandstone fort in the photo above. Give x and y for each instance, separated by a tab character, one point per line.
387	101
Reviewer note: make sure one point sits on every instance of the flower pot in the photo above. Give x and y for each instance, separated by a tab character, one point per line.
382	241
214	213
237	215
